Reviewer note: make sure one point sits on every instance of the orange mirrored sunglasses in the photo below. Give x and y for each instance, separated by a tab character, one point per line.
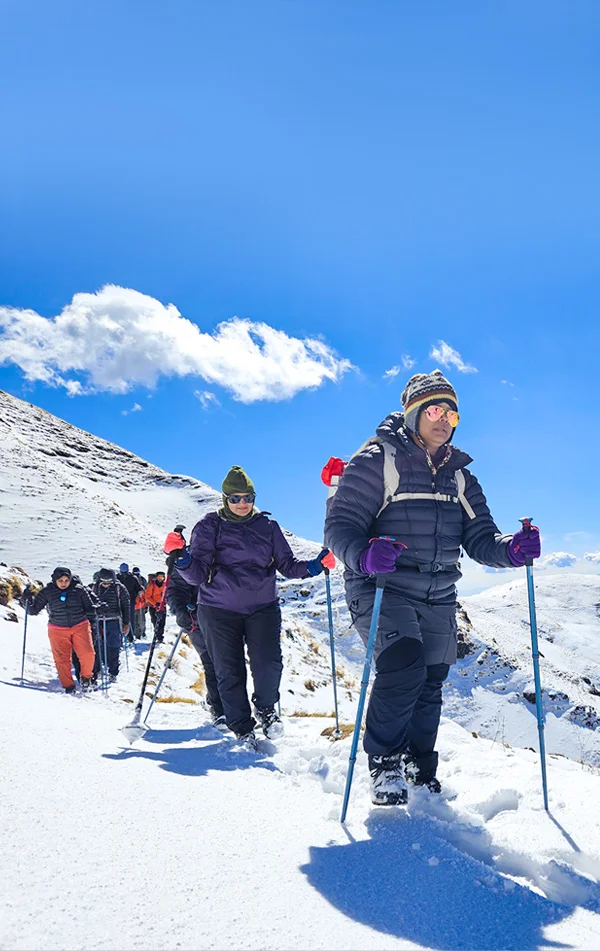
435	412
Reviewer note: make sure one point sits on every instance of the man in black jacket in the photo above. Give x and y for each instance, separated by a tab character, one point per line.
132	582
114	615
181	598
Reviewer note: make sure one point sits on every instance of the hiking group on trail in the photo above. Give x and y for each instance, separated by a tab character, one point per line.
89	625
399	516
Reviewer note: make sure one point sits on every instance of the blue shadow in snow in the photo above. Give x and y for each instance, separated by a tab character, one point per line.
455	904
196	760
47	686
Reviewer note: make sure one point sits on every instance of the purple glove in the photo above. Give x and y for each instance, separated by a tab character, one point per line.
523	545
380	557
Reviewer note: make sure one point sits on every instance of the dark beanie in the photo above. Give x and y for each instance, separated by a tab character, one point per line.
236	481
61	573
421	391
106	574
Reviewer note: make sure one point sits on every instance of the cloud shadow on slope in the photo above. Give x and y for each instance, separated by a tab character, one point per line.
454	904
194	760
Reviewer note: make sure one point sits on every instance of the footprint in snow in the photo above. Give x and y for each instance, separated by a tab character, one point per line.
503	800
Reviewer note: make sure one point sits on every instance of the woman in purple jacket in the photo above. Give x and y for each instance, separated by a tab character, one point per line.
233	557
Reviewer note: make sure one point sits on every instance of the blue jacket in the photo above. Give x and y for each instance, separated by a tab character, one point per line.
433	531
234	563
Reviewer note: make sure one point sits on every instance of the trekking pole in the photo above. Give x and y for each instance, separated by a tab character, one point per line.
163	675
337	733
134	730
330	476
24	638
380	584
126	645
104	658
526	523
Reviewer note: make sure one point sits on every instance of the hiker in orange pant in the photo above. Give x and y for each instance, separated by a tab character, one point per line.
71	616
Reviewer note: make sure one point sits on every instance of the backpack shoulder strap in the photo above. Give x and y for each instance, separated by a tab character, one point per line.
391	476
461	483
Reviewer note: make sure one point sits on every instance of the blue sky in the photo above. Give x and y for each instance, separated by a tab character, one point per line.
376	176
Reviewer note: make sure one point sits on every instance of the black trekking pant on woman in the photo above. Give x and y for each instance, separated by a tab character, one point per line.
213	697
226	633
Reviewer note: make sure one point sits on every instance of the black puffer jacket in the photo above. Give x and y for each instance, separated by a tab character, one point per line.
182	595
65	608
132	584
433	531
114	601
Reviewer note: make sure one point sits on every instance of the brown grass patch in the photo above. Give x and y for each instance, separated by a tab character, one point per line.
310	685
186	640
305	713
199	685
11	589
176	700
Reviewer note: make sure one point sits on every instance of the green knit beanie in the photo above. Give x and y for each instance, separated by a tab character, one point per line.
237	482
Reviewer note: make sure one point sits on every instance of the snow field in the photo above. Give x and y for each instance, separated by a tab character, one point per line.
185	841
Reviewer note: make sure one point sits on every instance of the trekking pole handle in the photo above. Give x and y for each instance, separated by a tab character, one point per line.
380	579
527	525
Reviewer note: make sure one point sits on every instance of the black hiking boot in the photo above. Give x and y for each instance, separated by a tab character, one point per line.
248	741
421	770
388	785
70	689
270	722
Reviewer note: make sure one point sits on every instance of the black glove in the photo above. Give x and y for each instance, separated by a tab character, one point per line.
26	596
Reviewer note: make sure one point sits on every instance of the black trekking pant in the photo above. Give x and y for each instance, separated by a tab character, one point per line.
213	698
406	704
158	619
226	633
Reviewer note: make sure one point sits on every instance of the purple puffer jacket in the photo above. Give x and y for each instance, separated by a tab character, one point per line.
234	563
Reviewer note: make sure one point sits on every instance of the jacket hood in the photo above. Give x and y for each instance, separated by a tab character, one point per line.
392	430
105	574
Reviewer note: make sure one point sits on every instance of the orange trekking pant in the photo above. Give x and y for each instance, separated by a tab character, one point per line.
63	640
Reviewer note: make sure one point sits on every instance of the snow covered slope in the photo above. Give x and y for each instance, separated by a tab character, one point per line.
68	497
185	842
491	689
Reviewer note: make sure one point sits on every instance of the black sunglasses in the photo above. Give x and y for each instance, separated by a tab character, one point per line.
236	499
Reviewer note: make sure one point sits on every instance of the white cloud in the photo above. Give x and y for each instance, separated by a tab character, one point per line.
559	559
449	357
392	373
206	398
507	382
593	556
136	408
118	338
407	363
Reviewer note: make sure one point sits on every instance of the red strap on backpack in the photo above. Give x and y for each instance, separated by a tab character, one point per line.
335	467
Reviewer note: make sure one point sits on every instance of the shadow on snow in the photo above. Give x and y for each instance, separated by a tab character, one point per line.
218	753
408	881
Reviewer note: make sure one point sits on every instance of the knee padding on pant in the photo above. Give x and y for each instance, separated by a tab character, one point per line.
406	652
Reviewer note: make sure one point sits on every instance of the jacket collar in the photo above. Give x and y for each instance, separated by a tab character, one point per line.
392	430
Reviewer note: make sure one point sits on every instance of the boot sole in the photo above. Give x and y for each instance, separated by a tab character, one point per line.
392	799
